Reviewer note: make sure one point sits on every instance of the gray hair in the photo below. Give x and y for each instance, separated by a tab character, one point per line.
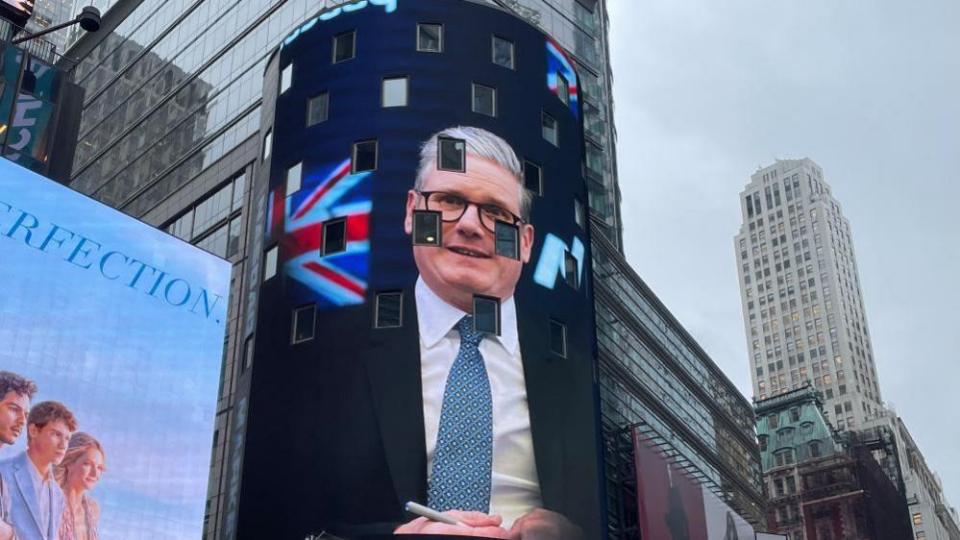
481	143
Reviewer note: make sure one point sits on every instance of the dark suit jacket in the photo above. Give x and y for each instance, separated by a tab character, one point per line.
378	457
335	435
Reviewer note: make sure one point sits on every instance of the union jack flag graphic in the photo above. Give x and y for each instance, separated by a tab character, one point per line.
558	63
296	222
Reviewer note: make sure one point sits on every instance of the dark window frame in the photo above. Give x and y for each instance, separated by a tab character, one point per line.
539	190
462	151
376	309
498	321
353	155
295	315
325	95
563	338
439	49
473	99
439	230
353	46
493	51
324	238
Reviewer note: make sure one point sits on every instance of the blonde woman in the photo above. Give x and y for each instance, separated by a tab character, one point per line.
77	474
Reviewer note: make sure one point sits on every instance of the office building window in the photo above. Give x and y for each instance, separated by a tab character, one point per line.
484	99
364	156
426	228
580	213
570	269
247	354
815	449
394	92
294	178
563	89
286	78
549	129
389	310
507	239
503	52
918	518
429	37
533	177
304	319
344	46
486	314
318	109
334	236
270	262
452	154
558	338
267	144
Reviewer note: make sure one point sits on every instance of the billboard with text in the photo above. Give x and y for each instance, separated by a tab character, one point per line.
121	328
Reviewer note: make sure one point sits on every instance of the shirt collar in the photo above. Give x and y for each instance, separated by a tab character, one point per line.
436	318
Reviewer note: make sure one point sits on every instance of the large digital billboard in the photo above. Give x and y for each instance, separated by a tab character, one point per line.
674	506
424	239
111	340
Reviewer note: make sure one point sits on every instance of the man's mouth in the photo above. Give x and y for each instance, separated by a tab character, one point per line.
468	252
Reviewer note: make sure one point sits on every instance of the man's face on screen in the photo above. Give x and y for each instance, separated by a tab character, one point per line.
13	416
467	263
49	443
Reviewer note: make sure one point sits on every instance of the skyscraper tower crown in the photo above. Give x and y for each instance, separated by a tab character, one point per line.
803	309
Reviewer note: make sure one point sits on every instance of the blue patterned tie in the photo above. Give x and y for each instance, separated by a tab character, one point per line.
463	459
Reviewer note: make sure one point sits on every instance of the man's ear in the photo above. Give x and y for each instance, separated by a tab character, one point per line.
33	431
408	218
526	242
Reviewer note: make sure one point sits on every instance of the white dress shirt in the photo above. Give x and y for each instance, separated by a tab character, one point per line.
515	489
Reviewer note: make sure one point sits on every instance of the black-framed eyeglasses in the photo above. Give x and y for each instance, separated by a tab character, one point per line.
452	207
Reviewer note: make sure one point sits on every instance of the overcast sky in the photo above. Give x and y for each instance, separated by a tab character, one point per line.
706	92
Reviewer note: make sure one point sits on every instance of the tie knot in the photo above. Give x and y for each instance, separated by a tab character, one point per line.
467	332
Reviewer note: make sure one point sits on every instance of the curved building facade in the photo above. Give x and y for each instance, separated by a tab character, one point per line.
421	162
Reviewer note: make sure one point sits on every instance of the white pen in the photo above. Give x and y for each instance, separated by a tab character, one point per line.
431	514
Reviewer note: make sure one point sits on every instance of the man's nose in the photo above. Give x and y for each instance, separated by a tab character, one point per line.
469	222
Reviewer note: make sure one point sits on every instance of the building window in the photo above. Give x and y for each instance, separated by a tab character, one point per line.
334	236
364	156
429	37
533	177
563	89
921	535
304	319
484	99
270	262
549	129
344	46
570	268
773	421
394	92
762	439
918	518
318	109
507	239
486	314
389	310
452	154
794	414
558	338
247	354
503	52
580	213
294	176
286	78
426	228
267	144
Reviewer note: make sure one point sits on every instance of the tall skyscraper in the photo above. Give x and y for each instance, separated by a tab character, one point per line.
802	304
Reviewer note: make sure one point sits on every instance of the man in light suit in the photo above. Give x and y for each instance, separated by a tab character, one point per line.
15	395
36	501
